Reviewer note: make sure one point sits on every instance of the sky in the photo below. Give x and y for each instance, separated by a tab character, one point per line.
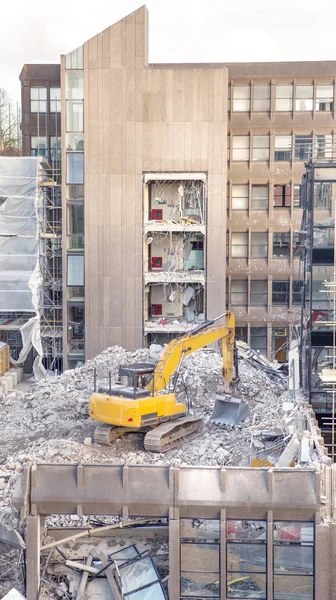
32	31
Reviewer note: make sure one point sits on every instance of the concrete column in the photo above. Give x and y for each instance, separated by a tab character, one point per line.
33	557
325	578
174	557
269	557
222	581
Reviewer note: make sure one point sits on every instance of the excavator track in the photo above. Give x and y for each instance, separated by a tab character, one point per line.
107	434
170	435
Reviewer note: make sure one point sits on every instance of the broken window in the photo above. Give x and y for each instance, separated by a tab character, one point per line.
293	548
297	196
261	98
281	244
239	245
259	244
240	196
283	148
283	98
241	333
76	322
280	293
282	196
303	147
259	197
241	147
324	98
260	148
304	97
176	201
259	292
323	196
241	98
239	292
246	559
258	339
200	558
323	146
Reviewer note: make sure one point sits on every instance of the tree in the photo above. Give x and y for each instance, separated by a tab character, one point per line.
9	122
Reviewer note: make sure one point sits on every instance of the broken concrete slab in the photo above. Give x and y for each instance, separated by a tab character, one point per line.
290	452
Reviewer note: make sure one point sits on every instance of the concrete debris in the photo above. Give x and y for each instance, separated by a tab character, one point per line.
289	454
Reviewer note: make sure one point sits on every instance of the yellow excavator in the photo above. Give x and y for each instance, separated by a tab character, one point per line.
143	398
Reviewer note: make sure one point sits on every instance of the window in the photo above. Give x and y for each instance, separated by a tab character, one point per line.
260	149
75	142
241	333
259	339
240	195
241	98
239	293
39	146
75	115
293	563
283	148
38	99
76	226
261	98
55	100
280	293
239	245
303	147
259	292
283	98
259	197
200	558
259	244
304	97
240	147
296	292
75	167
75	269
297	196
55	148
324	98
75	193
74	85
246	559
281	245
280	344
282	195
323	196
323	148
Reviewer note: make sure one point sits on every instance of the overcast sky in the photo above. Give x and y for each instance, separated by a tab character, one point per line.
32	31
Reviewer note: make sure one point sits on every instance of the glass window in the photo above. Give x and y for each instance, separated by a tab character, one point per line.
75	269
74	142
38	99
260	149
293	531
280	292
281	244
323	196
75	193
283	147
295	587
241	333
246	559
200	529
75	167
259	244
74	60
241	98
282	195
297	196
200	558
304	97
296	292
259	197
323	146
259	292
283	98
38	146
303	147
293	542
261	98
240	195
240	147
259	339
324	98
239	245
55	148
74	85
55	100
75	120
76	226
239	293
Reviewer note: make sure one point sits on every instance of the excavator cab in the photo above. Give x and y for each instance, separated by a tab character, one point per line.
132	381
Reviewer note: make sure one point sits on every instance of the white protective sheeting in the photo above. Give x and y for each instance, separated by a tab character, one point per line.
20	275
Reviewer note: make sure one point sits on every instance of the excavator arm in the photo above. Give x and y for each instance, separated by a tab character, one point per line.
198	338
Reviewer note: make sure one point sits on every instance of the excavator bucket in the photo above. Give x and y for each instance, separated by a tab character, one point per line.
229	410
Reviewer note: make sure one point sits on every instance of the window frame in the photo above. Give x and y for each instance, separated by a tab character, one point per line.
284	196
245	245
302	100
38	100
257	294
54	103
283	153
246	150
262	99
236	99
234	188
258	236
239	297
324	100
282	293
281	239
255	187
259	149
280	99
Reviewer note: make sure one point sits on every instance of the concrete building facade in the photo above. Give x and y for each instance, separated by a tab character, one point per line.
181	192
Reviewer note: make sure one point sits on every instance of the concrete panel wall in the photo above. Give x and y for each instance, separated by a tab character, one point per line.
139	119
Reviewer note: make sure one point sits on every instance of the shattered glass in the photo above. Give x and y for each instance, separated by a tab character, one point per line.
137	574
124	555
